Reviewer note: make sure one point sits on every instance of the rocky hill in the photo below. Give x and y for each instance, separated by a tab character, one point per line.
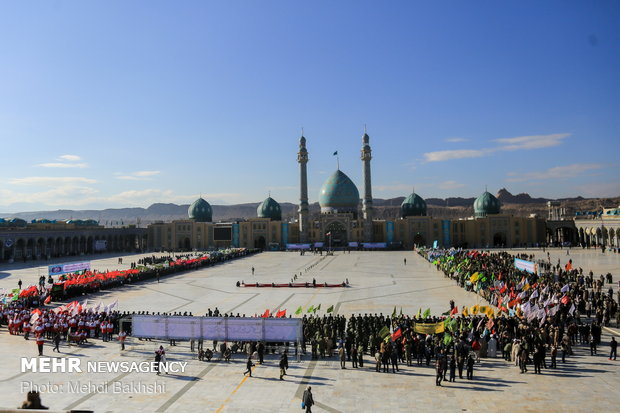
520	205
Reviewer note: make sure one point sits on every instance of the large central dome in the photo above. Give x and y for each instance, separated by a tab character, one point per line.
339	194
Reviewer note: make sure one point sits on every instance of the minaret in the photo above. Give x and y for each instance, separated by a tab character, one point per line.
367	202
302	158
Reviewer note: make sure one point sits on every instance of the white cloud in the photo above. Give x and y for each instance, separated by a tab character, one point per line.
74	196
456	140
531	142
60	196
62	165
506	144
456	154
72	158
447	185
65	161
51	180
558	172
137	176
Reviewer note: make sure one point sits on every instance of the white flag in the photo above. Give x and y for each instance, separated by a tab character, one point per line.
565	288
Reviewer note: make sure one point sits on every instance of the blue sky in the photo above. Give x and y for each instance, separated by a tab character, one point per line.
118	104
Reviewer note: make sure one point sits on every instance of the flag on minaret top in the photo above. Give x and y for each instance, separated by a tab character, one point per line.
335	153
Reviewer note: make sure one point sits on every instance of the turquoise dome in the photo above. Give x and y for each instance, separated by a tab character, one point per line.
339	194
269	209
413	206
486	204
200	211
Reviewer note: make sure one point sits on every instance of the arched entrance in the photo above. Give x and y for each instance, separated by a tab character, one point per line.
260	242
499	239
418	240
184	244
336	234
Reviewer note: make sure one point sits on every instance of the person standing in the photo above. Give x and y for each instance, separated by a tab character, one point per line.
394	359
405	261
354	356
592	341
40	342
19	284
308	400
453	368
56	342
341	355
614	348
249	366
261	352
470	367
122	335
282	371
157	361
285	358
438	370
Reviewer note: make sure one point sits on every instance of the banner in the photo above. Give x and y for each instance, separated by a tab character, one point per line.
374	245
217	328
68	268
528	266
235	235
297	246
284	233
429	328
389	231
101	245
445	229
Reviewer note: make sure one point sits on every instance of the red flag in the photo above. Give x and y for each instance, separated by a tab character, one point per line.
48	300
266	314
454	311
281	314
396	334
565	300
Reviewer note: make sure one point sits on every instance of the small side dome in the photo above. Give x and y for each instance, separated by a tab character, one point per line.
413	206
486	204
200	211
270	208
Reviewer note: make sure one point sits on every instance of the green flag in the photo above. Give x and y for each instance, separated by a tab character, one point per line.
315	309
299	310
427	313
447	339
420	312
310	309
446	313
330	309
394	312
385	331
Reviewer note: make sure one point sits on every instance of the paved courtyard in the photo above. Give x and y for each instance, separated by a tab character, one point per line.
379	282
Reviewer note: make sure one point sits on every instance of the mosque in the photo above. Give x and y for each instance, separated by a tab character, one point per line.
345	222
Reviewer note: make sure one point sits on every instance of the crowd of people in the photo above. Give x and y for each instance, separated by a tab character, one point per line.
532	320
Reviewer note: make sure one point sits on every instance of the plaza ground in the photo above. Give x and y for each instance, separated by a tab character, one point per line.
379	282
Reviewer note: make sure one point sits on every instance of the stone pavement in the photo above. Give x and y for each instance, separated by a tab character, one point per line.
379	282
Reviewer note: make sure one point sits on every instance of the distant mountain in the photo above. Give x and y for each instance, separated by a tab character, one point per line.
520	204
506	197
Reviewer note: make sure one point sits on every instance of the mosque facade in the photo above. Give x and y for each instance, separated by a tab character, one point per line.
346	221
